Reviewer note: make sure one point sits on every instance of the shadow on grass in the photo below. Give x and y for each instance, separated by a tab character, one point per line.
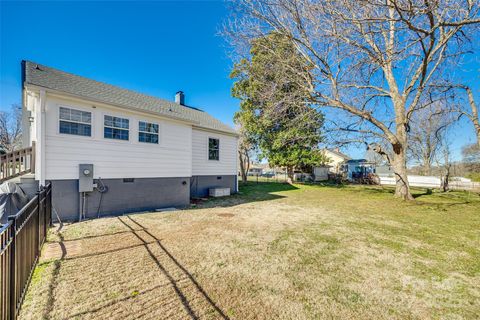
417	195
169	273
327	184
249	192
428	196
55	277
185	286
445	199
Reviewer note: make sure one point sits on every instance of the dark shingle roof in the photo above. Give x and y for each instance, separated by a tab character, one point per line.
50	78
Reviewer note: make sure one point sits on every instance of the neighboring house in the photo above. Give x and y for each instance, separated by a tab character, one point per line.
358	168
258	168
320	173
150	153
255	171
335	159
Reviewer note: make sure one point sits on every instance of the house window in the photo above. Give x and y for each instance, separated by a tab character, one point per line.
147	132
75	122
115	128
213	149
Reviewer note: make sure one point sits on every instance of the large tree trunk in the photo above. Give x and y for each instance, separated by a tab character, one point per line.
244	165
399	164
402	187
399	146
290	174
445	179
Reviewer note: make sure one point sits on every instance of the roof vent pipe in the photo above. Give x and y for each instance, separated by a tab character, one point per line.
180	98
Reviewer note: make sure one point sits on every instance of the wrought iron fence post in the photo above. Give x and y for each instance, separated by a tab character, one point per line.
45	222
50	205
39	212
13	273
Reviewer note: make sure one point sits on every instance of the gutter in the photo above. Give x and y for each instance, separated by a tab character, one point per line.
227	133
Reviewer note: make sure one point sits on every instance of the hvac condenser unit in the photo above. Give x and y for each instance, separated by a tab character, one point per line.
219	192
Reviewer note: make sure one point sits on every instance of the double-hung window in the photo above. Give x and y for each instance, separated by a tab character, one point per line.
115	128
213	149
147	132
76	122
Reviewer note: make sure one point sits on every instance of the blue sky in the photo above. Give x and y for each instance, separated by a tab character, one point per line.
154	47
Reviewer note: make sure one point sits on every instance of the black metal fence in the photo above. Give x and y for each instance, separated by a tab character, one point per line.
21	240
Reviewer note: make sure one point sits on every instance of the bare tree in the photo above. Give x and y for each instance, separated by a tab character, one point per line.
444	161
379	61
10	129
471	153
471	159
427	134
374	157
471	114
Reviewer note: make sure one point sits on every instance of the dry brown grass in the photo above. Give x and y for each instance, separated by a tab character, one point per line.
273	252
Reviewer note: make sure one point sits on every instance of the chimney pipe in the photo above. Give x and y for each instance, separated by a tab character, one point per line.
180	98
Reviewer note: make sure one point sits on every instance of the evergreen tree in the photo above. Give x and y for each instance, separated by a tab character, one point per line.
275	112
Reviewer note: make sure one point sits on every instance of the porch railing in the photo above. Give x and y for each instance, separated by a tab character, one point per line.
17	163
21	240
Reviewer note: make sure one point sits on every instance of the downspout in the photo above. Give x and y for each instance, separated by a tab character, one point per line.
40	137
26	114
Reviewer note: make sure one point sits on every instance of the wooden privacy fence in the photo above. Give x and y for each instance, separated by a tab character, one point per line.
16	163
21	240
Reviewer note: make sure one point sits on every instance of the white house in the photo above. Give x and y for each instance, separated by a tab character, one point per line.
108	150
335	159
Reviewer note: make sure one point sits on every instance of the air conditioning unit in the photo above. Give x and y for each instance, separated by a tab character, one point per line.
219	192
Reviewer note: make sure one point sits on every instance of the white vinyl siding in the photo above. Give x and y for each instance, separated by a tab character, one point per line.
201	165
171	157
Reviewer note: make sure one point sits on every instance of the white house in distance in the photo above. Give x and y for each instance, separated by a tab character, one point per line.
335	159
108	150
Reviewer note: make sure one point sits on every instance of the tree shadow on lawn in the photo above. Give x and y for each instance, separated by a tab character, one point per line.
424	195
249	192
186	289
446	199
185	302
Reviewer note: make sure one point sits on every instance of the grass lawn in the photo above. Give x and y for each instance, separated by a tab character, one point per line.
274	251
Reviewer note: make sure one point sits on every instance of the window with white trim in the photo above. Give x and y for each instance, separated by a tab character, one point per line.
147	132
115	128
213	149
76	122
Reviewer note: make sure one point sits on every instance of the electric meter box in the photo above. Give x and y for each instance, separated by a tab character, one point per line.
85	177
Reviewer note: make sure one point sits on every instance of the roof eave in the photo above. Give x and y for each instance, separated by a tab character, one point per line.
195	124
230	133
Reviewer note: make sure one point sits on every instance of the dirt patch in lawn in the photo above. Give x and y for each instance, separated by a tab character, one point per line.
225	215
